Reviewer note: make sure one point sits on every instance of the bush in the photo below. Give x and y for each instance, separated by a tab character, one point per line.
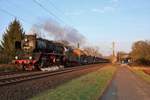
141	52
4	59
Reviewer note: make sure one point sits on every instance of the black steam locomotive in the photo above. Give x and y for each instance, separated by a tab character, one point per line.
40	54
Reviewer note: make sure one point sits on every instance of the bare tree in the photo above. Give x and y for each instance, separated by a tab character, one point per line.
93	51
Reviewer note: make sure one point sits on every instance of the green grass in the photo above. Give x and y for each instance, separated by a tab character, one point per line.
87	87
143	75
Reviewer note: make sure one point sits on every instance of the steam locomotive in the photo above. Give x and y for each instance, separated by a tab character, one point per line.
40	54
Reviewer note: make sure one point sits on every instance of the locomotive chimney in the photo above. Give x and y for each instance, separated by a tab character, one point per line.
78	45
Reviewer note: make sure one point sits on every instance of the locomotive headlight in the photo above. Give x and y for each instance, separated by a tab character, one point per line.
30	57
25	39
16	57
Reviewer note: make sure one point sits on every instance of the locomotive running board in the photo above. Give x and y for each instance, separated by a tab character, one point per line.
52	68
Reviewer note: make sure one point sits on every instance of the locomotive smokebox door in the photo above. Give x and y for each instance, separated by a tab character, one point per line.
18	45
29	43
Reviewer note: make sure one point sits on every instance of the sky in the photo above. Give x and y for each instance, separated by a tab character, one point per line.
100	21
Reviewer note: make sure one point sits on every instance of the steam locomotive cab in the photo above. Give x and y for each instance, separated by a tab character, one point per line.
41	54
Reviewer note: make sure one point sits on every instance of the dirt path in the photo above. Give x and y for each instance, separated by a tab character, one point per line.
127	86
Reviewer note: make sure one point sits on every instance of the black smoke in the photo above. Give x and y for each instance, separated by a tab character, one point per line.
58	32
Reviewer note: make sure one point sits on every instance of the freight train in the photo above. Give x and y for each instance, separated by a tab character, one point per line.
41	54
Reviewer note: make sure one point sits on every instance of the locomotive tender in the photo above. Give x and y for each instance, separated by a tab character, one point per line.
40	54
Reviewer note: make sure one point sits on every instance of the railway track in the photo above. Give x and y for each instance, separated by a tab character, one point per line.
2	74
36	75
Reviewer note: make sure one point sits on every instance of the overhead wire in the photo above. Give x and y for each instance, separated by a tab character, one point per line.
12	15
48	11
52	4
43	7
60	11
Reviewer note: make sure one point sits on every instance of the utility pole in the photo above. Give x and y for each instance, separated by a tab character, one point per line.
78	45
113	53
113	47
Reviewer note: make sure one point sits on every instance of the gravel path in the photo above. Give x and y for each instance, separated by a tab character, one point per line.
127	86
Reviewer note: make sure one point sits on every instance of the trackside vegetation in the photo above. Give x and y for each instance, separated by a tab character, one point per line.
87	87
14	32
141	74
140	53
7	68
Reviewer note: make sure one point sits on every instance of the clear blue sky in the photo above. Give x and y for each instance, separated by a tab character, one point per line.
100	21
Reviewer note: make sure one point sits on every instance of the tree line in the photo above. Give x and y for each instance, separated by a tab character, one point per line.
140	53
14	32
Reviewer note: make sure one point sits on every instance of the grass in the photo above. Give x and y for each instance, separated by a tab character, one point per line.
87	87
140	73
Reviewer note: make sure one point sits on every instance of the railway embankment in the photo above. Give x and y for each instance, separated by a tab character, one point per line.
87	87
26	89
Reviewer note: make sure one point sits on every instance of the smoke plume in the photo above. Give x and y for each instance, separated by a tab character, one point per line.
58	32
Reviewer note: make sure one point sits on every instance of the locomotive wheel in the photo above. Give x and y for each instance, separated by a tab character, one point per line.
41	65
28	67
22	67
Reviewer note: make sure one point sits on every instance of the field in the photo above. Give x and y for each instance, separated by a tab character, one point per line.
87	87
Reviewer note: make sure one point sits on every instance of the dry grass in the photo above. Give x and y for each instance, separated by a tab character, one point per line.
139	71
